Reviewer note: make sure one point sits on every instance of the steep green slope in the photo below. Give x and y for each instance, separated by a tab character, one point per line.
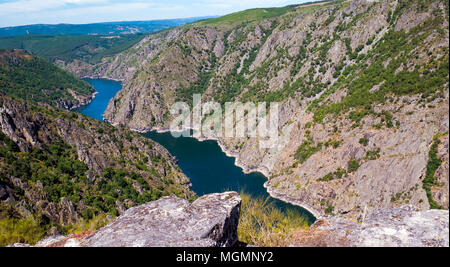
26	76
88	48
64	169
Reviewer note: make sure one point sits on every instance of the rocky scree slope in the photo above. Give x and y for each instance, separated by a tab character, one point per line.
61	167
363	87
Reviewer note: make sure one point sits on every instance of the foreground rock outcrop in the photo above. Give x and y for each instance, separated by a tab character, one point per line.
210	221
399	227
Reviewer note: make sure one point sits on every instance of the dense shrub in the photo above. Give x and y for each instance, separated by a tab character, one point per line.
430	180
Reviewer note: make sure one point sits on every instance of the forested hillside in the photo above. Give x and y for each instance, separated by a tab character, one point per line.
61	172
57	48
32	78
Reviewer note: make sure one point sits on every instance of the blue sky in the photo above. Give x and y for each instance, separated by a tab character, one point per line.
24	12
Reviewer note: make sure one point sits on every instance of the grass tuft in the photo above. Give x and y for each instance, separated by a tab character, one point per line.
262	224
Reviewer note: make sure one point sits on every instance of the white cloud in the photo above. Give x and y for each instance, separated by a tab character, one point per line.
28	6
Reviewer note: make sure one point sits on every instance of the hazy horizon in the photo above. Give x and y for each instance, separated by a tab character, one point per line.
30	12
112	22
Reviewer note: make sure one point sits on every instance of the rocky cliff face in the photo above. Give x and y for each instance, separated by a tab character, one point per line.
363	87
123	66
210	221
62	167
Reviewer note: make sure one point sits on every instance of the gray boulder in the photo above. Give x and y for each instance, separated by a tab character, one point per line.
398	227
210	221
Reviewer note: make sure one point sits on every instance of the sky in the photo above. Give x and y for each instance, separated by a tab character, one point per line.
25	12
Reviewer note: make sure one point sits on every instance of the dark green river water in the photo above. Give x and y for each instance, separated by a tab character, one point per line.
208	168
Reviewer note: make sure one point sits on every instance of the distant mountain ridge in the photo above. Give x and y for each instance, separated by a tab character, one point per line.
88	48
103	28
25	76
